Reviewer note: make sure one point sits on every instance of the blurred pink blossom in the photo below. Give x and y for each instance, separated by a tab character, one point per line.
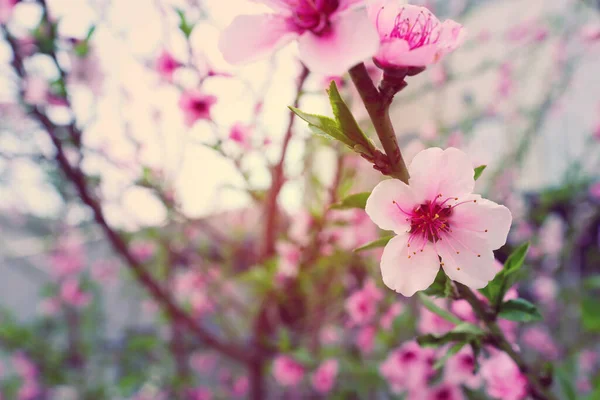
329	335
289	258
430	322
460	369
287	371
365	339
407	367
444	390
166	65
6	10
332	35
202	362
387	320
85	71
545	289
590	32
324	377
537	338
71	293
142	250
242	135
196	106
199	393
595	190
240	387
36	90
411	36
503	378
361	306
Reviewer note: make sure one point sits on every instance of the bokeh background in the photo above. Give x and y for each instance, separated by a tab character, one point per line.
521	96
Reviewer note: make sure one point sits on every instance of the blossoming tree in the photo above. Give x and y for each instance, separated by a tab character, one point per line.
391	277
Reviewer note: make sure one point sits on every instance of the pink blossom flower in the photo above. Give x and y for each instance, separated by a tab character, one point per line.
407	367
29	390
411	36
437	216
324	377
538	339
242	135
287	371
590	32
143	250
362	304
85	71
587	359
390	315
240	387
545	289
365	339
196	106
202	362
329	335
36	91
332	35
71	293
460	369
199	393
105	272
6	10
24	367
430	322
49	306
502	378
166	65
68	256
443	391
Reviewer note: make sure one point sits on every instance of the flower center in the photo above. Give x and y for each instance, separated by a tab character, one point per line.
199	106
313	15
431	221
416	32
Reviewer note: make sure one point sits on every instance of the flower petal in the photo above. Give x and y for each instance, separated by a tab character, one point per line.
419	57
250	37
383	14
384	212
489	220
466	258
350	40
447	172
406	275
452	35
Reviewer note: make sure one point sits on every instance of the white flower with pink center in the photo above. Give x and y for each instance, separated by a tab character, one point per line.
438	222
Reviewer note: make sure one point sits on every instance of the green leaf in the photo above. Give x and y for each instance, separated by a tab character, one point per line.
451	351
441	286
507	277
346	121
381	242
519	310
357	200
566	384
431	306
479	171
463	333
592	283
184	25
324	126
590	314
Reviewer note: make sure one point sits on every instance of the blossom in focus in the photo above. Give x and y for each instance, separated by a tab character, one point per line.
437	216
411	36
503	378
166	65
196	106
324	377
332	34
287	371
